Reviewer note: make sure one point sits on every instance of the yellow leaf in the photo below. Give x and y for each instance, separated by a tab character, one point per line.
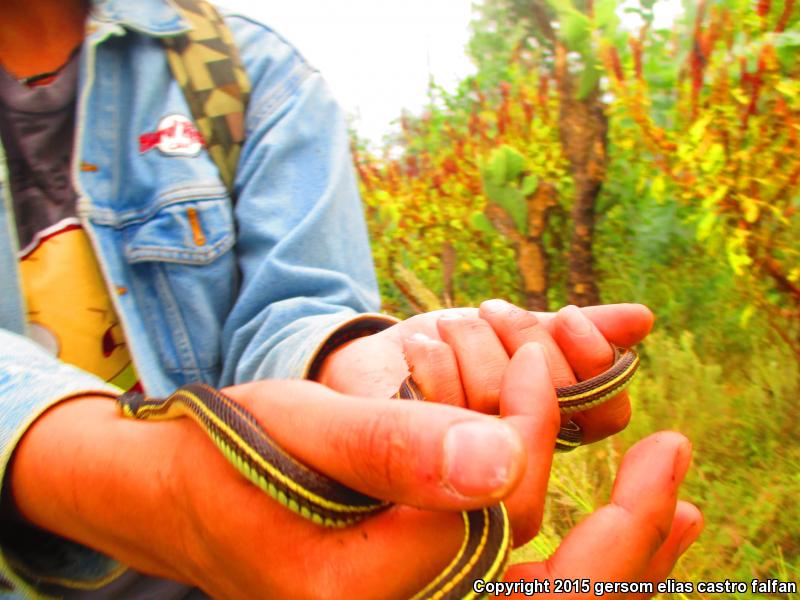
658	187
746	315
706	225
716	197
751	210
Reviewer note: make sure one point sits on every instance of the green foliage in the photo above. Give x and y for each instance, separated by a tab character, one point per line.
721	144
501	183
699	218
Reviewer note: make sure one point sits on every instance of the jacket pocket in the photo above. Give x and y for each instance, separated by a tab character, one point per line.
186	278
192	232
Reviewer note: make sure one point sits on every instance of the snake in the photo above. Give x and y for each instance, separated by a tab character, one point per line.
487	538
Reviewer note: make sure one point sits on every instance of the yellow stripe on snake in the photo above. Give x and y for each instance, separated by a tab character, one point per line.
244	442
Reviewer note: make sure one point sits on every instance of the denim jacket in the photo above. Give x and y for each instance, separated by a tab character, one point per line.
275	276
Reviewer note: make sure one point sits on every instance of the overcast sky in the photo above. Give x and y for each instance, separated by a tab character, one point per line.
377	54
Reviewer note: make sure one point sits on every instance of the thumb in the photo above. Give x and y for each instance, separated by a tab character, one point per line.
417	453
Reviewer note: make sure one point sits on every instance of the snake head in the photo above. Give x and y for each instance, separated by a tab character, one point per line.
130	404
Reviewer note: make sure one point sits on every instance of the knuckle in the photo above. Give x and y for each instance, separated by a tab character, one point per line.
483	386
606	419
618	414
653	529
463	327
440	358
475	326
599	356
522	322
523	318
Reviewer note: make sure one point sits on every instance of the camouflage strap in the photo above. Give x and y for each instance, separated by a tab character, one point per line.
206	64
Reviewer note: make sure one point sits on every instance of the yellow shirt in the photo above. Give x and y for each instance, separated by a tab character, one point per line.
69	308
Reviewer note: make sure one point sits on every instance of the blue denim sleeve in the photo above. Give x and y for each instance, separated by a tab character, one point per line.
305	260
31	381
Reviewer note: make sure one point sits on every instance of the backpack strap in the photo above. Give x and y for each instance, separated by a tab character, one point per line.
206	64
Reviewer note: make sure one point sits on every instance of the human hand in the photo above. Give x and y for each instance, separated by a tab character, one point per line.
405	467
459	356
636	538
400	444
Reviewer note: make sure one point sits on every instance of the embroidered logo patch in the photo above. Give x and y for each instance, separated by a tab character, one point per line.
176	135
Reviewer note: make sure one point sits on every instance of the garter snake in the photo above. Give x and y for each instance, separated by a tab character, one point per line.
487	533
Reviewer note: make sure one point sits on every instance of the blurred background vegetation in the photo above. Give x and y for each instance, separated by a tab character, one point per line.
586	162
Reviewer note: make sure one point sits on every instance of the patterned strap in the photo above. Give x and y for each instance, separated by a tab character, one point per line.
206	64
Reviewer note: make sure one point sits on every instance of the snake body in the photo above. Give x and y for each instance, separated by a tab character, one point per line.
244	442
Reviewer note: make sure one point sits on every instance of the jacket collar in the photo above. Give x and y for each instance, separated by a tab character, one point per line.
151	17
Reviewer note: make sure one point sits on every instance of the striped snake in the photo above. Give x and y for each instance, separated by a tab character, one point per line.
244	442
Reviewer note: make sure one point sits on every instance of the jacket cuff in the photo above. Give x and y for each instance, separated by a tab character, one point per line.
356	327
34	561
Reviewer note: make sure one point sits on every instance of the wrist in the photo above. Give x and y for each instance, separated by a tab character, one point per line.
84	473
332	362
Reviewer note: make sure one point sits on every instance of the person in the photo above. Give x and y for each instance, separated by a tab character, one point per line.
125	260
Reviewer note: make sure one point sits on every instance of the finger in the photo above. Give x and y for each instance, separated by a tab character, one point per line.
433	366
528	403
618	542
481	359
589	354
687	525
515	327
416	453
621	324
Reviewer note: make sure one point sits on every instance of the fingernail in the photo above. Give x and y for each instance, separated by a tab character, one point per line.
688	538
451	316
480	458
494	305
575	320
683	458
420	337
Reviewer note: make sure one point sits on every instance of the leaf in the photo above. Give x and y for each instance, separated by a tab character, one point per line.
786	39
715	198
574	26
505	165
515	163
658	188
788	88
529	185
605	15
751	210
456	224
495	171
479	263
575	29
698	129
388	213
746	315
590	76
787	56
706	225
737	255
510	200
481	222
739	95
713	159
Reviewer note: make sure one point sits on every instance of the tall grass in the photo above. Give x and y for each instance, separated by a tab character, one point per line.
741	416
